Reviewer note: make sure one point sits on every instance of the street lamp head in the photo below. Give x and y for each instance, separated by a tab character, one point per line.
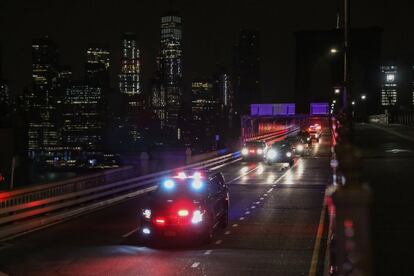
363	97
353	102
337	90
334	50
334	101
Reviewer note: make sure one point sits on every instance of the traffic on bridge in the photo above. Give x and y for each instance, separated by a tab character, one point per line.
218	137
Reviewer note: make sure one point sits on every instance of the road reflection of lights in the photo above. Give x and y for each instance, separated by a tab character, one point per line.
299	169
244	169
271	178
288	178
260	169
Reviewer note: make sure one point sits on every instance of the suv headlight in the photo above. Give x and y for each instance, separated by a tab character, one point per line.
299	147
289	154
259	151
244	151
271	154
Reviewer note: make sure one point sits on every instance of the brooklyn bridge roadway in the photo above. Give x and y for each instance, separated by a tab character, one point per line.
275	214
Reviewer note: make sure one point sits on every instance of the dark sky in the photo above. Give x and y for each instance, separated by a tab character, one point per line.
210	31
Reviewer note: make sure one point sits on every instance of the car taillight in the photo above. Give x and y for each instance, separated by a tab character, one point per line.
183	213
160	221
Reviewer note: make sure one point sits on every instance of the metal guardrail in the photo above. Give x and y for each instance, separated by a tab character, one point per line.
23	210
19	213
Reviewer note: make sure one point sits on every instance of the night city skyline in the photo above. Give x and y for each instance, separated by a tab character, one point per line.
208	40
219	137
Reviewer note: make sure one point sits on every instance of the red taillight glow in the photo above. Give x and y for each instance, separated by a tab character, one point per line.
160	221
183	213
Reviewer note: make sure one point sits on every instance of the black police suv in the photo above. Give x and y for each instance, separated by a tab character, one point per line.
186	204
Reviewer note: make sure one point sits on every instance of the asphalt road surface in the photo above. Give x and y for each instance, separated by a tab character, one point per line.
275	213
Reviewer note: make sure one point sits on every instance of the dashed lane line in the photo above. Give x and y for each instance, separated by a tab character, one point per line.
195	265
244	174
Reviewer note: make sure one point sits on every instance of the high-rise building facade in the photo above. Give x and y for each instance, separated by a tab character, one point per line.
171	65
158	100
205	110
129	79
130	88
247	69
224	94
82	129
98	65
389	85
5	105
42	99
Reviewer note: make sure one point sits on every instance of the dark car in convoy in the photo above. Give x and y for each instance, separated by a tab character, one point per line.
280	152
299	145
254	150
187	204
306	137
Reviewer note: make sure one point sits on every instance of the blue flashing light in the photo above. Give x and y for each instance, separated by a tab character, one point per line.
169	184
197	184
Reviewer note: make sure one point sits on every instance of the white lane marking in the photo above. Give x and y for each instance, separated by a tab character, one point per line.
257	202
261	198
270	190
223	165
227	233
208	252
247	213
244	174
264	194
130	233
195	265
319	234
235	225
218	242
253	207
241	218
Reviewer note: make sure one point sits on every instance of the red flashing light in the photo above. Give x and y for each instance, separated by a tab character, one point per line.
183	213
1	178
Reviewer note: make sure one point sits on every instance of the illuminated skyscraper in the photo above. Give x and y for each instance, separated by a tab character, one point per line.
43	133
130	88
389	85
171	65
5	105
98	65
82	129
205	110
129	79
